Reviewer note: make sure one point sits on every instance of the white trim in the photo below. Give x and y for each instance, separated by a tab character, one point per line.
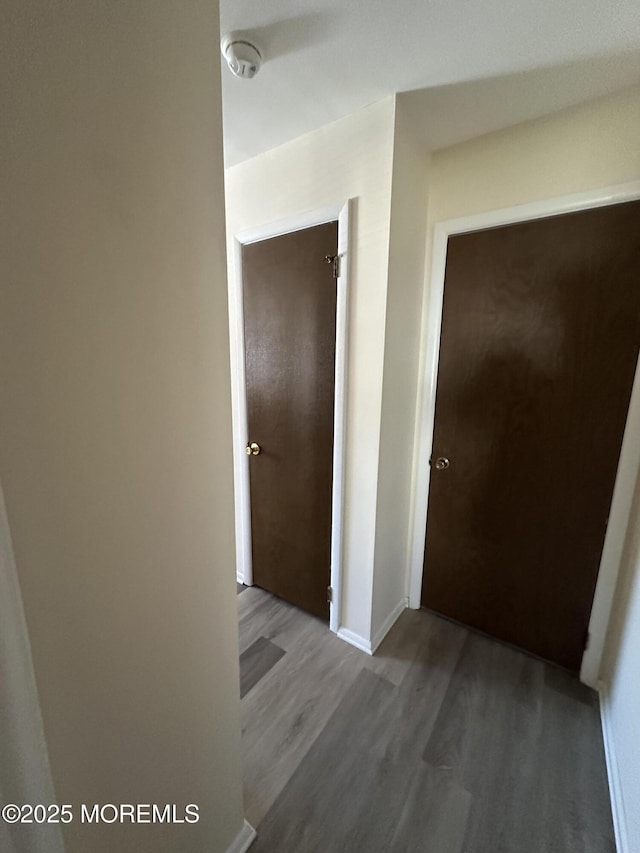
309	219
244	568
388	624
340	417
243	840
425	410
355	640
618	814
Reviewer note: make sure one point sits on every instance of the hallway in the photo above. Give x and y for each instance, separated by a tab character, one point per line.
445	741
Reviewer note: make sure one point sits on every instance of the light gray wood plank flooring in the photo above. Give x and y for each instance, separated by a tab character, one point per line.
444	742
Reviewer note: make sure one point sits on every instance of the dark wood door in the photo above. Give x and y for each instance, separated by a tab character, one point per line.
540	337
290	331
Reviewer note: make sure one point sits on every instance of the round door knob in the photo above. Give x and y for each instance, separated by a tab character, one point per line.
441	463
253	449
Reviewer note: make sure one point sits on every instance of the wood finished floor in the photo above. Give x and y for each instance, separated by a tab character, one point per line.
444	742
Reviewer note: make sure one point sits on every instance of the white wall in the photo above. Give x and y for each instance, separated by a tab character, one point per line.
115	444
621	676
408	223
351	158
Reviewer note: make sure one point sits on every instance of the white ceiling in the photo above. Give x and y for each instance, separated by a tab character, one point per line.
471	66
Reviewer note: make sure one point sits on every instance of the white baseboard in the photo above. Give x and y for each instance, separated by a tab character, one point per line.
613	773
370	646
243	840
388	624
355	640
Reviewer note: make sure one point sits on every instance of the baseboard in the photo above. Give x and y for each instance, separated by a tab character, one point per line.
388	624
355	640
370	646
613	773
243	840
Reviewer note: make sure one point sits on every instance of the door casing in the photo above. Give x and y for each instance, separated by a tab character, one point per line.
339	212
629	461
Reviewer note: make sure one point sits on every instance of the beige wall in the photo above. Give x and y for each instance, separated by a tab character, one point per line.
351	158
592	145
115	444
408	221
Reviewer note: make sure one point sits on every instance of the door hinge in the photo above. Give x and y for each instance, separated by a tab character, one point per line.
335	260
330	594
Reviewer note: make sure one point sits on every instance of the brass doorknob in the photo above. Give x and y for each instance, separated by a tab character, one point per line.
441	463
253	449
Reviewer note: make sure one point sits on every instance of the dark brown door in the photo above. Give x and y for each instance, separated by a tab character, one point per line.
290	331
540	337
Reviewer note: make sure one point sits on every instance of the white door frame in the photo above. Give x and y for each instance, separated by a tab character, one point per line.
629	462
339	212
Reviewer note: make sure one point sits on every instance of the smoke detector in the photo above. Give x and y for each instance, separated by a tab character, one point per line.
241	55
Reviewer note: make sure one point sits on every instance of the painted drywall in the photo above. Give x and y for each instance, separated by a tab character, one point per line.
592	145
408	222
621	676
25	775
115	436
351	158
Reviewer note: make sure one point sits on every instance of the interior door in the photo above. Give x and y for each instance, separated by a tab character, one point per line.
540	338
290	330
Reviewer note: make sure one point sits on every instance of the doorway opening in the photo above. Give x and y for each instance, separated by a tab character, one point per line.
338	214
629	459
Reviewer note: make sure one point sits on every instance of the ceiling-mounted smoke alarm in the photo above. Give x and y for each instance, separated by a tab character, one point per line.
242	56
